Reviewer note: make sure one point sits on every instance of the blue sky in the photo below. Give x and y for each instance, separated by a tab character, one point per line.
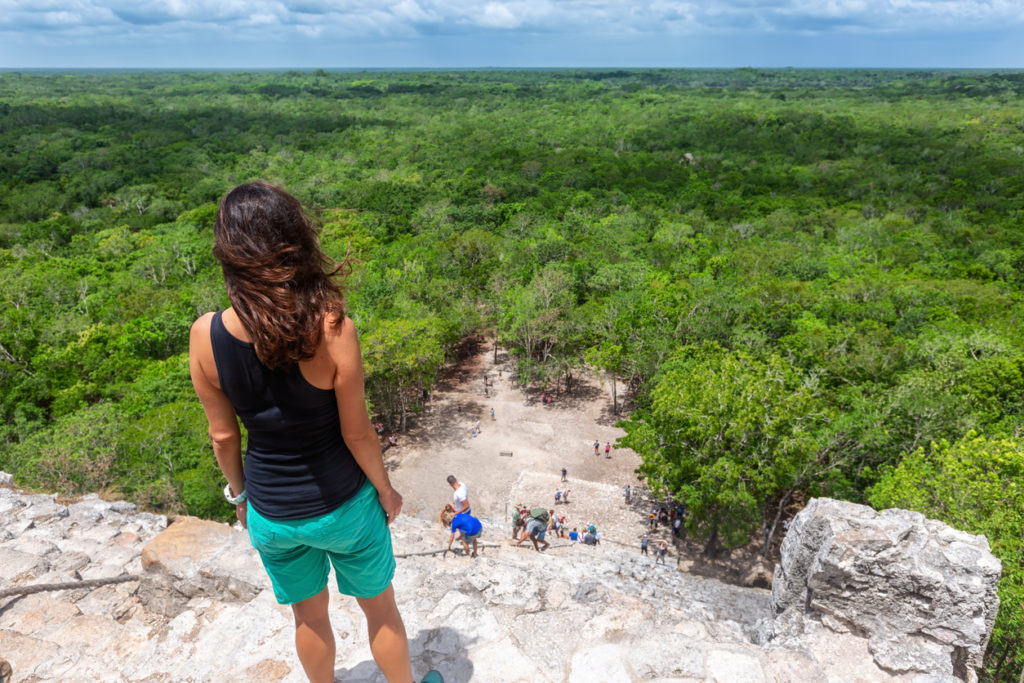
519	33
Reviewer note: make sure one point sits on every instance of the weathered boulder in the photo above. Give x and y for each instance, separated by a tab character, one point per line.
922	593
195	557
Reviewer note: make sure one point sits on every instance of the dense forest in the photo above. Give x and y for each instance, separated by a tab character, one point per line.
803	282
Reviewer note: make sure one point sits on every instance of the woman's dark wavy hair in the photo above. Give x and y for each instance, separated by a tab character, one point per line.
279	281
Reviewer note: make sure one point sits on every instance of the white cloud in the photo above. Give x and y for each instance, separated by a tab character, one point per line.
162	19
410	10
497	15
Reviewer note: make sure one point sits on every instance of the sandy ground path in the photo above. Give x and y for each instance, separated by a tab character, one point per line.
541	439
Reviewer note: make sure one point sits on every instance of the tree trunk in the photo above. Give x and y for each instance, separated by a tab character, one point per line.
401	403
775	524
712	547
615	399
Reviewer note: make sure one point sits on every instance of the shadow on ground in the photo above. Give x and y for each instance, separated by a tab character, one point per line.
440	648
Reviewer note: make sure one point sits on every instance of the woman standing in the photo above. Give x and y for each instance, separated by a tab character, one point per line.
313	491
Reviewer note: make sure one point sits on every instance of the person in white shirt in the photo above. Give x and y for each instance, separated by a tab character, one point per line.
461	496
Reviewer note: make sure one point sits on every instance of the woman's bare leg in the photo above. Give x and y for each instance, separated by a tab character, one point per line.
388	642
314	637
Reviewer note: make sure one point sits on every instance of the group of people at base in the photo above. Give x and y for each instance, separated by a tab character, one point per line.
590	535
670	518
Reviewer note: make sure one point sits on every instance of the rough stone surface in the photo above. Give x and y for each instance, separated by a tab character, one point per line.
203	611
922	593
196	557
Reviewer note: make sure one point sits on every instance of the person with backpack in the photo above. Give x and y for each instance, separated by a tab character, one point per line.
536	528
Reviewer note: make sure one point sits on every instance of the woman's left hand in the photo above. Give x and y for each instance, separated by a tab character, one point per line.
391	501
241	511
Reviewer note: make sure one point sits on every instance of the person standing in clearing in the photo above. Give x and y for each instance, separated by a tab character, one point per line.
312	491
564	472
460	498
608	449
597	446
626	492
643	544
492	414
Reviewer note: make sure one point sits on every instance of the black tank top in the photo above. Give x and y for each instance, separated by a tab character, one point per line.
297	465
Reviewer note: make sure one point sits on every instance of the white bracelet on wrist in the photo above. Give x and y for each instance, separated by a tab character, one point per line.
234	500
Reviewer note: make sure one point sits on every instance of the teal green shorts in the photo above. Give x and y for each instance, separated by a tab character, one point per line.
354	538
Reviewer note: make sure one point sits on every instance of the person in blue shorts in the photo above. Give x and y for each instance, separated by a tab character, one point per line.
312	489
468	527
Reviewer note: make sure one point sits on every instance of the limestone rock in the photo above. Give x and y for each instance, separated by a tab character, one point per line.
16	566
195	557
924	594
203	609
6	479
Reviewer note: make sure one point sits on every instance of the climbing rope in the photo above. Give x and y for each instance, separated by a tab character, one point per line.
445	550
69	585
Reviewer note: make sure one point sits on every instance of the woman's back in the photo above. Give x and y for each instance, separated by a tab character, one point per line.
297	463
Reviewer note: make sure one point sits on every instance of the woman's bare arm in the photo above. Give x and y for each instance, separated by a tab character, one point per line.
223	424
356	428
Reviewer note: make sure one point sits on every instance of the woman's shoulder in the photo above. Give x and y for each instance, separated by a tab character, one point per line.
338	331
203	322
201	328
334	323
